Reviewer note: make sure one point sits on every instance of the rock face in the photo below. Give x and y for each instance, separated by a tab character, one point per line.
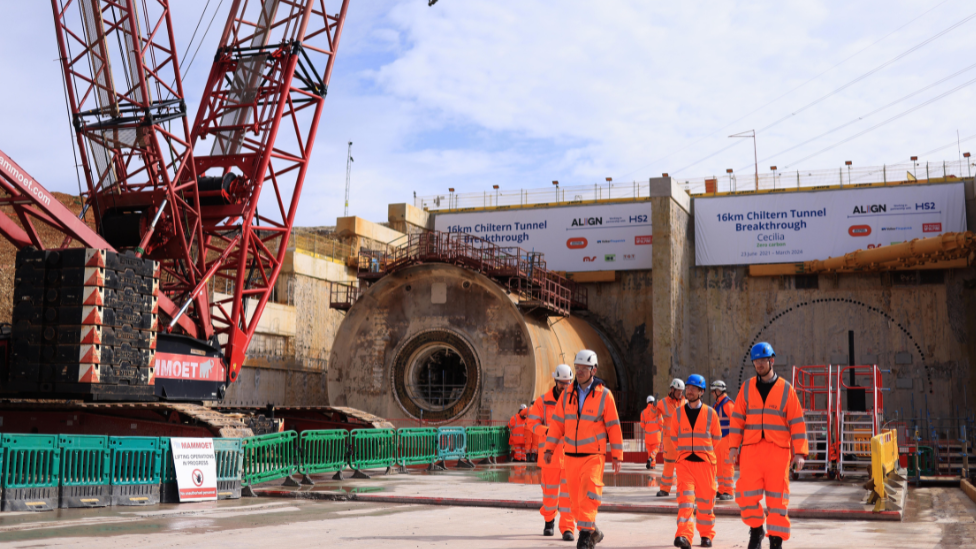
445	343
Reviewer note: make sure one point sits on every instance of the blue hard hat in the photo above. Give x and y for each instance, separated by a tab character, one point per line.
696	381
761	350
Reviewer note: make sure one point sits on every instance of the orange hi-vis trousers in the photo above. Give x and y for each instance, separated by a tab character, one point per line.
670	454
764	469
696	499
584	475
725	469
653	445
555	497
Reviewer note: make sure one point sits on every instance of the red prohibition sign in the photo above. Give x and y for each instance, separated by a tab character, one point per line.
197	477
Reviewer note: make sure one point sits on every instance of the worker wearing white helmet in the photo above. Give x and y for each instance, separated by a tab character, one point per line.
666	409
516	433
650	422
586	423
555	490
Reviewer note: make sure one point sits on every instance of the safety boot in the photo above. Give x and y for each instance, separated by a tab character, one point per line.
775	542
663	494
756	537
682	542
706	542
584	541
648	464
550	528
597	535
568	536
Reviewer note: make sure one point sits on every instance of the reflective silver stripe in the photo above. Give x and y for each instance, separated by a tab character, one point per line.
617	447
794	421
786	395
733	430
775	528
587	417
593	496
800	436
583	524
737	415
778	495
603	401
601	436
745	390
571	417
694	448
703	522
686	506
746	507
548	508
533	416
565	510
553	440
613	423
682	520
551	486
777	510
563	481
688	493
702	500
652	432
549	403
558	418
751	493
666	460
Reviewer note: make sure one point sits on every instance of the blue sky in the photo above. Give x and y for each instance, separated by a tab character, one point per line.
473	93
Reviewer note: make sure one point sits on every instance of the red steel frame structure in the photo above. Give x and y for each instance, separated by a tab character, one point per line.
261	107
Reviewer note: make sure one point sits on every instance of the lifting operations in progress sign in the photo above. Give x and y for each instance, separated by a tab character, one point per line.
815	225
196	468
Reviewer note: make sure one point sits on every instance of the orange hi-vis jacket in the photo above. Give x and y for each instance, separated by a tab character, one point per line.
538	422
665	411
650	422
779	420
516	427
702	439
589	432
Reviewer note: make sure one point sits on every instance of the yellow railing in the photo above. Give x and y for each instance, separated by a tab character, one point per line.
884	467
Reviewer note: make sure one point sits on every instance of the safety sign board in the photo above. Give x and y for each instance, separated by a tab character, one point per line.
803	226
599	237
196	468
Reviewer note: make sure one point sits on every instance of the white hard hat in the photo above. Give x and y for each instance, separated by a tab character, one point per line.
522	406
563	373
650	399
586	357
678	384
718	385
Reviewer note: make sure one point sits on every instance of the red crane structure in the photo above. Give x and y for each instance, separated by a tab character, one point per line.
208	201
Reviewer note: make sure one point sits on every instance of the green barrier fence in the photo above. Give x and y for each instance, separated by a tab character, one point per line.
479	441
168	490
31	472
229	453
269	457
324	451
500	445
85	466
135	475
372	448
416	446
451	443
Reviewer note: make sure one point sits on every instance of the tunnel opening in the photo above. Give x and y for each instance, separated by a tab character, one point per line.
436	376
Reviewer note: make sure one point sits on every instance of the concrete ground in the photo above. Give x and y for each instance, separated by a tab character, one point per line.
935	517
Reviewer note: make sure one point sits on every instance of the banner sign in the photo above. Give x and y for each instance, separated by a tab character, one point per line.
803	226
196	368
196	468
600	237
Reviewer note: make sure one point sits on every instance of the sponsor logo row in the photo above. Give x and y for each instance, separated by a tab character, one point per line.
610	258
579	242
865	230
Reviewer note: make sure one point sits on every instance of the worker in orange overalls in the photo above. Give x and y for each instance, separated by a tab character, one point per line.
516	434
651	425
726	468
666	408
555	490
695	431
586	422
767	424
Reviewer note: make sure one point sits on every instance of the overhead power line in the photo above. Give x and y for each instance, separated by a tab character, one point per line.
788	92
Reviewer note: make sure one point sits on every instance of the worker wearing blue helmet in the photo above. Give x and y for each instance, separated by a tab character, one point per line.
695	432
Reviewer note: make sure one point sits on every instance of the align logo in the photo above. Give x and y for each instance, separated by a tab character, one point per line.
931	227
589	258
576	243
859	230
643	240
586	221
870	208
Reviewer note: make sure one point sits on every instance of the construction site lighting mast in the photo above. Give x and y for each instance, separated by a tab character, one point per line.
349	161
273	65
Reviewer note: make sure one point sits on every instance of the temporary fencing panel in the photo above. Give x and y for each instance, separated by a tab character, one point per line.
269	457
169	492
500	445
85	466
451	443
323	451
136	465
478	443
884	464
372	448
230	467
31	469
416	446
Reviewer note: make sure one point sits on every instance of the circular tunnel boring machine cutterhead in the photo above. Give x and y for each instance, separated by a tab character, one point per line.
445	343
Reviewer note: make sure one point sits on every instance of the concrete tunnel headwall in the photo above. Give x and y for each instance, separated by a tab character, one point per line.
449	344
